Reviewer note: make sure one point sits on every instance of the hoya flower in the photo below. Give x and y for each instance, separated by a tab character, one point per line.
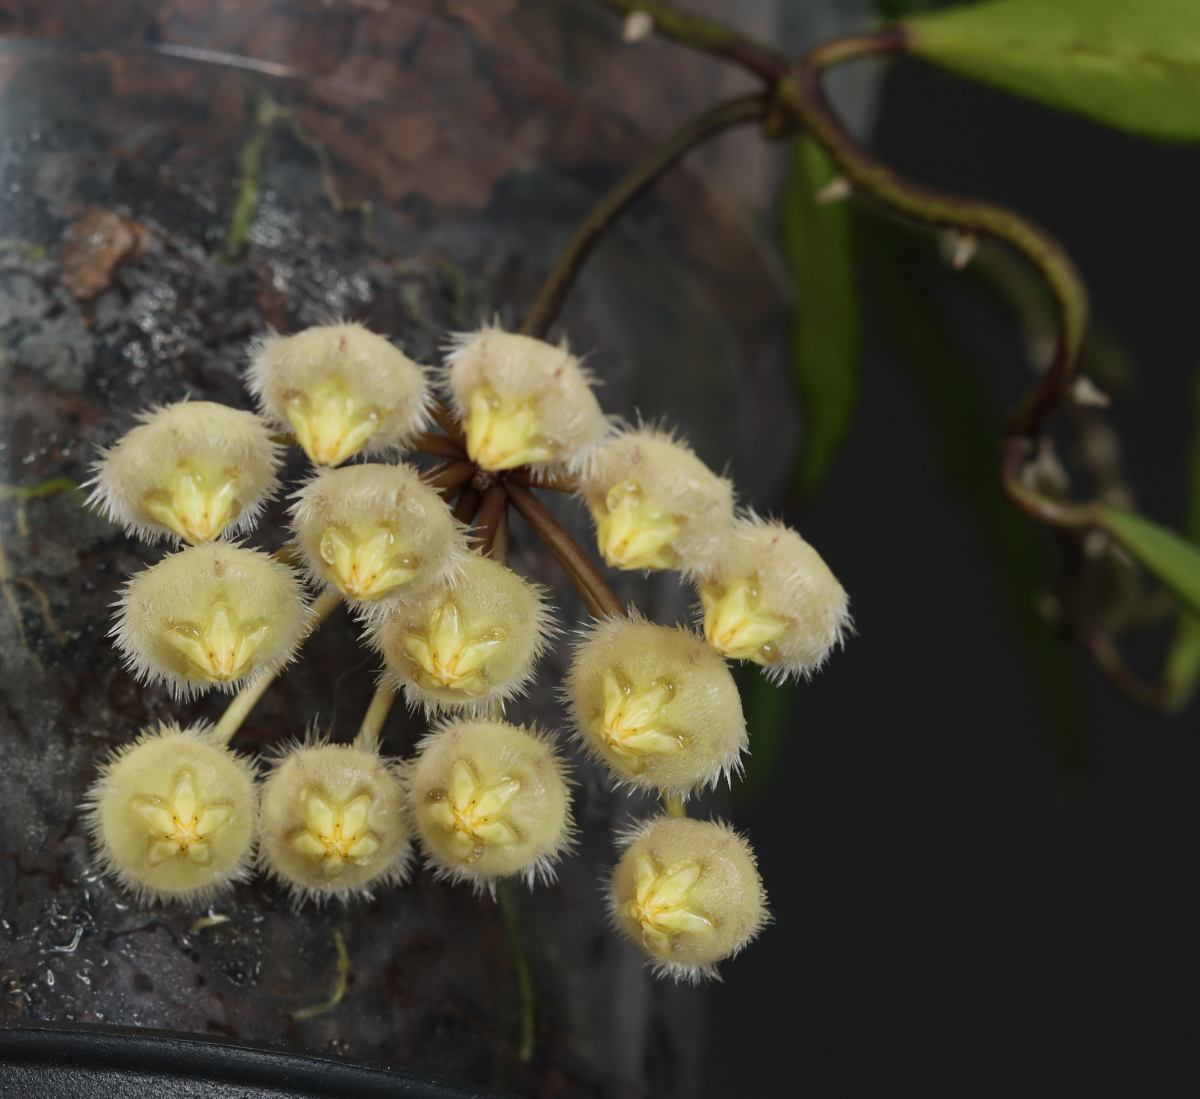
172	814
489	800
656	704
376	532
522	401
341	389
656	505
190	470
468	643
771	599
333	821
210	615
687	893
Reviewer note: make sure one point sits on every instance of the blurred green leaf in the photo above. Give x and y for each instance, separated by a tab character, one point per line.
827	339
768	707
1164	554
1132	64
902	262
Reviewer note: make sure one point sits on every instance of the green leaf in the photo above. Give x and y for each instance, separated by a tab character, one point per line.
827	339
1183	663
1164	554
902	263
767	707
1132	64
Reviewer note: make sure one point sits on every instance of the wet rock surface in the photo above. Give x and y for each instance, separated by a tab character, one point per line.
160	212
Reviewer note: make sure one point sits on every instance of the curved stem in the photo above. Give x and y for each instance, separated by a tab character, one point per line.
803	94
440	446
601	600
468	505
376	715
550	298
1103	649
449	480
1037	505
491	512
708	35
247	698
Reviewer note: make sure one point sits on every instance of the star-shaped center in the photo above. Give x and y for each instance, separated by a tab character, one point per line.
181	826
739	624
474	812
632	532
330	422
365	561
335	834
196	501
446	657
504	432
633	723
218	649
662	905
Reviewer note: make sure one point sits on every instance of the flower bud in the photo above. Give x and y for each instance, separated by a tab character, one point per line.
210	614
771	599
687	893
333	822
522	401
376	531
341	389
189	470
489	800
657	705
656	505
468	643
173	813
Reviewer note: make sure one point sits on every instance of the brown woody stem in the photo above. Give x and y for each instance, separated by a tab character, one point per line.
802	94
440	446
554	291
491	511
468	505
557	480
708	35
601	600
451	477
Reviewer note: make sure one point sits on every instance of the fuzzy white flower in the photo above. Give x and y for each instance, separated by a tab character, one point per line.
173	814
489	800
655	704
687	893
333	821
522	401
189	471
466	644
656	505
208	616
376	532
771	599
342	389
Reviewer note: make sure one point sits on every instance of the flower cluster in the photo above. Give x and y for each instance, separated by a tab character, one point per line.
178	814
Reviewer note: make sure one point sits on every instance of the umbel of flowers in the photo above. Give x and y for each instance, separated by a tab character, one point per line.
177	815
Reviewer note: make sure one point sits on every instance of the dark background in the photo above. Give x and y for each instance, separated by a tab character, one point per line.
953	918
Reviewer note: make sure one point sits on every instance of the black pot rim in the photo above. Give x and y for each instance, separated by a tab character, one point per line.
113	1053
